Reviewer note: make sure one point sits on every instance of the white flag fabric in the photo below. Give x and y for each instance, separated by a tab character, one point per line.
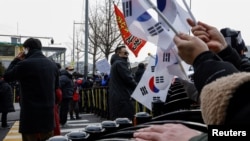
181	20
164	58
146	91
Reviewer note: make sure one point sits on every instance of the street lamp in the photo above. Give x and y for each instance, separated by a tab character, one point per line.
78	51
73	57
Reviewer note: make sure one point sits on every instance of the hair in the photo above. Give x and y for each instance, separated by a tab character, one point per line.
58	66
32	43
118	48
141	65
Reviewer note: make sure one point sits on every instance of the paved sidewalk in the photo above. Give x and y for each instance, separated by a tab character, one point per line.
12	134
12	118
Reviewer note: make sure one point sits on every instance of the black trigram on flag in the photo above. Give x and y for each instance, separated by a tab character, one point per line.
152	68
159	79
144	90
156	29
127	8
166	57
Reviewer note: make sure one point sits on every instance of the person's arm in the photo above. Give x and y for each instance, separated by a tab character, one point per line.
11	72
207	65
217	44
230	55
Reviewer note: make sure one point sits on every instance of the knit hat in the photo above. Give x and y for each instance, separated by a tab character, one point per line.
226	100
32	43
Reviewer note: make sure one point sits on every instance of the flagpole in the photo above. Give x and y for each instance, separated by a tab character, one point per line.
179	60
162	16
149	54
189	11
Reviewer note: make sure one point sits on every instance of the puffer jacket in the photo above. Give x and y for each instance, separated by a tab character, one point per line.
66	84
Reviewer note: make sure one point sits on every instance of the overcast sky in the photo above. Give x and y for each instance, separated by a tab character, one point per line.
54	18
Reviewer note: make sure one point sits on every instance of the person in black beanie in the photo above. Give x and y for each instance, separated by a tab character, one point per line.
39	79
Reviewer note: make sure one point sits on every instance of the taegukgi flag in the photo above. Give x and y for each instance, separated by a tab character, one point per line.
143	21
146	91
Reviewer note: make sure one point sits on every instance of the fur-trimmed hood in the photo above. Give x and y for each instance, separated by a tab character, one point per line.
224	100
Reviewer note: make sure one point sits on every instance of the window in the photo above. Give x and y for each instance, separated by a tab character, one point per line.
7	50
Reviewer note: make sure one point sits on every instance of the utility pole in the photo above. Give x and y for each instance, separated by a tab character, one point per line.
86	38
73	55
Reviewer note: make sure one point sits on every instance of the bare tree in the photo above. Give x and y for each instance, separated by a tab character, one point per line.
94	44
104	34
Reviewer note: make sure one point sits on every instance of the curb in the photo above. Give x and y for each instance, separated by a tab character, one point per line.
13	134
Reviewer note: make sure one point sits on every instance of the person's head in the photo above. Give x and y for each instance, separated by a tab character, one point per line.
122	51
141	65
70	69
31	44
58	66
226	100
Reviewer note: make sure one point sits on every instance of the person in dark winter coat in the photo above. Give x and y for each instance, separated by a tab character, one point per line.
223	89
39	78
121	86
138	75
139	72
67	87
6	101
